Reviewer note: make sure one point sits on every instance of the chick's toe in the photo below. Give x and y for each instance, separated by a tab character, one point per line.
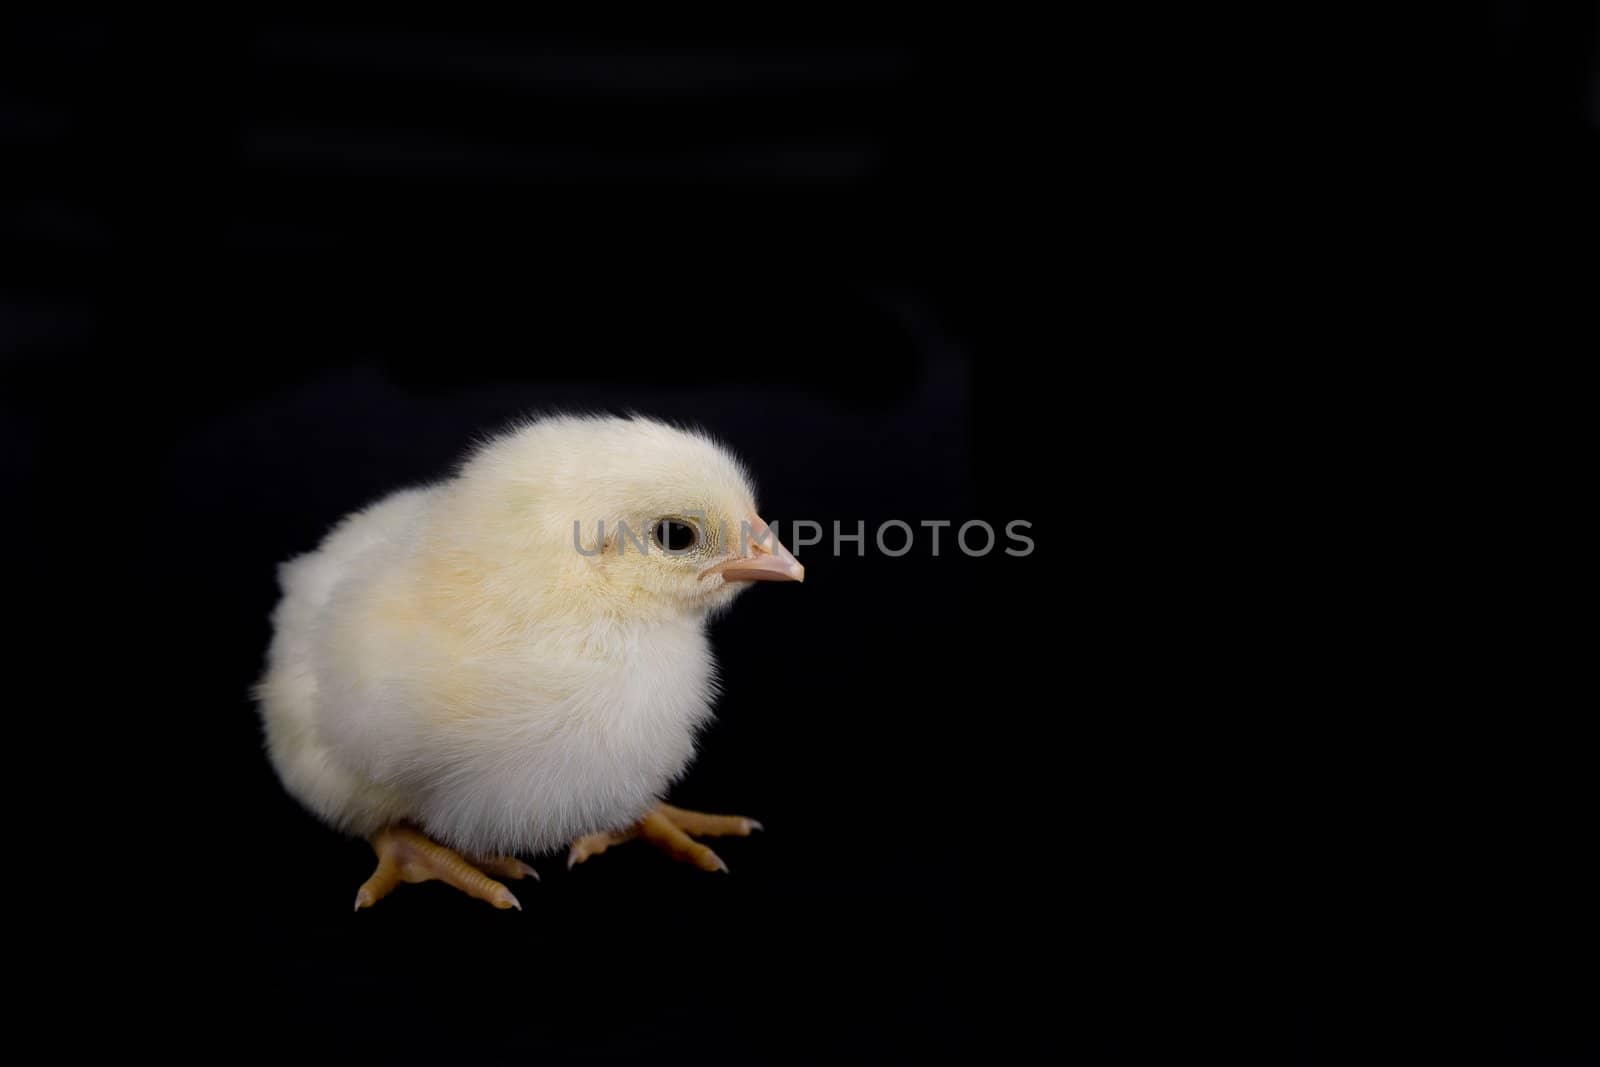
406	855
668	829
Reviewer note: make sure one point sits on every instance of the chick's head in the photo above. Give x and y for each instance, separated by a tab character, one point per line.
646	518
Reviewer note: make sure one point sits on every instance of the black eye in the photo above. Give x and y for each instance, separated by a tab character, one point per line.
675	536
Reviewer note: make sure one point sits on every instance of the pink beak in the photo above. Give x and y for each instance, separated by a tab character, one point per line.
764	559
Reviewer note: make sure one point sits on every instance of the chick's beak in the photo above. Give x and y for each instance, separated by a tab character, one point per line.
762	559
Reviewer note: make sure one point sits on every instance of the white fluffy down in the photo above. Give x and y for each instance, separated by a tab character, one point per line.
448	657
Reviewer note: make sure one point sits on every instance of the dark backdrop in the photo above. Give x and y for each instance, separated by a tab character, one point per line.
275	271
1153	790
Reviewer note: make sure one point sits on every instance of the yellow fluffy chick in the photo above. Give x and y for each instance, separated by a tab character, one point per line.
515	659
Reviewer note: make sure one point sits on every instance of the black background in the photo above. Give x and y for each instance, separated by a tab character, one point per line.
1137	793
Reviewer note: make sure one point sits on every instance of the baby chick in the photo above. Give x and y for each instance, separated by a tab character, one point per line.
516	659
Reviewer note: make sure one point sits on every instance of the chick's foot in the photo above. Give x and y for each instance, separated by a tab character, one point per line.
668	829
406	855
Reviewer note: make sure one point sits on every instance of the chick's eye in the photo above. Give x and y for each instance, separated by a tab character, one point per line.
676	536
